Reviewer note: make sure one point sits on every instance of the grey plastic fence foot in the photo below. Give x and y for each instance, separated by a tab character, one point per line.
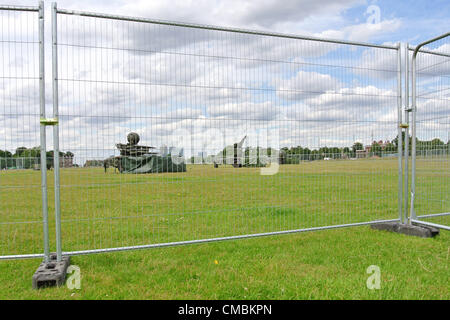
51	274
410	230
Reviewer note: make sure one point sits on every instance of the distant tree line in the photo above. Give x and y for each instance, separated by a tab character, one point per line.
293	155
29	157
296	154
435	145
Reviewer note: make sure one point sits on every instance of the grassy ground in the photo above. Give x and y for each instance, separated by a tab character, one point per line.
108	210
318	265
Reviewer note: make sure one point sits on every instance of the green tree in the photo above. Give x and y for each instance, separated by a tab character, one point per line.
5	159
390	147
19	151
69	154
357	146
395	142
376	149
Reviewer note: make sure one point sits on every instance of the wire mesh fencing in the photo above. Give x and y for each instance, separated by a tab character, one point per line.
234	133
432	98
21	217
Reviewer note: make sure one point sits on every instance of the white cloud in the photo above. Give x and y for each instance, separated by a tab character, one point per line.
378	64
305	84
363	31
243	13
117	77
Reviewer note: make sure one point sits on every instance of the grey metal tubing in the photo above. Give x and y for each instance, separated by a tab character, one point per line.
399	134
442	54
22	256
171	244
412	213
56	135
406	174
217	28
179	243
439	226
43	138
434	215
20	8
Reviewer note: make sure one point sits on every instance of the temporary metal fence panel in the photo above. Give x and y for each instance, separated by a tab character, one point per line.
320	120
23	197
430	188
242	133
246	133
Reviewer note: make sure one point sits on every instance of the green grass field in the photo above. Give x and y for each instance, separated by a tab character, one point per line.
112	210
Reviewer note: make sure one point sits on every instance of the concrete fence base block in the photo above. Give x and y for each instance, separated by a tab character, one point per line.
410	230
51	274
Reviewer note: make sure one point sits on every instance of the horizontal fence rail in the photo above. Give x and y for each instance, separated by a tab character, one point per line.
245	133
217	28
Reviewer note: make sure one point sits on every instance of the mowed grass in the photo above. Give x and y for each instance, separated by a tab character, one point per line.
328	264
109	210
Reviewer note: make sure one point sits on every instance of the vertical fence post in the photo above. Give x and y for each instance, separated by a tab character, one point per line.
43	146
56	134
412	214
399	134
407	110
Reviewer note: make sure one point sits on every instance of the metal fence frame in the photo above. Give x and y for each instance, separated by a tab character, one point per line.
40	20
413	218
403	191
56	12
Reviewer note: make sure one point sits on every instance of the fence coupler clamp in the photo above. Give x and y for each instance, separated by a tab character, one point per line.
49	121
404	125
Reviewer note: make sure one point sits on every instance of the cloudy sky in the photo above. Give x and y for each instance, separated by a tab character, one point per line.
200	89
407	21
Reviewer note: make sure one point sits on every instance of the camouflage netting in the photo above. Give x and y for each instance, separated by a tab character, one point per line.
149	164
136	158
